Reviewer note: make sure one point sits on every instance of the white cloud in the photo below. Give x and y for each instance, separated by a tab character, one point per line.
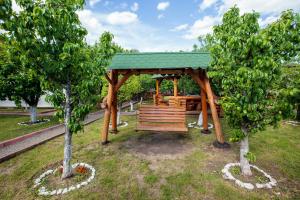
201	27
160	16
131	36
134	7
163	5
180	27
92	23
122	18
206	4
92	3
266	21
270	10
263	7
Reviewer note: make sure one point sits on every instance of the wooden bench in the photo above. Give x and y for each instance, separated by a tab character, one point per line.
161	118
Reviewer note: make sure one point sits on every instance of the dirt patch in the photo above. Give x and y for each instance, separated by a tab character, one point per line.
156	147
168	145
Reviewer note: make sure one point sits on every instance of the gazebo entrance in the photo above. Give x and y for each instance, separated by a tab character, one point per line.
173	64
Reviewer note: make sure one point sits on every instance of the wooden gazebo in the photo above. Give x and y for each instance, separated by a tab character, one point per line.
180	63
190	102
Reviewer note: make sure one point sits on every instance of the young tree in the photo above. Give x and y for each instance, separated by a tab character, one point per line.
72	77
247	60
20	78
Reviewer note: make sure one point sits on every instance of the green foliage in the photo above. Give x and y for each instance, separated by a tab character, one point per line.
68	64
246	60
21	57
203	45
289	88
187	86
129	89
251	157
147	83
167	86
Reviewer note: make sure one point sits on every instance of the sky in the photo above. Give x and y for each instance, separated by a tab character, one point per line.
167	25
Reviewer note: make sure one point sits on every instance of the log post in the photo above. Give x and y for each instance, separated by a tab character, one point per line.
156	91
220	143
204	112
175	87
105	128
157	86
114	106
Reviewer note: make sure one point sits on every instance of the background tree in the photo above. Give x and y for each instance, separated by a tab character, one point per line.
202	46
166	87
71	76
248	60
290	88
20	79
187	86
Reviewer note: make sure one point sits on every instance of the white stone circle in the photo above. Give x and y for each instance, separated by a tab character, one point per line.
227	175
194	125
124	124
42	122
44	192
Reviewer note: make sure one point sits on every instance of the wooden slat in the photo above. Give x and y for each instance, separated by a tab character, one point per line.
161	120
161	113
164	109
161	117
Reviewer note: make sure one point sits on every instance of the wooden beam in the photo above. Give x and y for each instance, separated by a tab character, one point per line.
123	80
175	87
114	107
218	129
108	78
196	74
199	81
204	112
157	87
105	128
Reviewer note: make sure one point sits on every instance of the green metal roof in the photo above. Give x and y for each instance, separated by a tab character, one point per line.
163	60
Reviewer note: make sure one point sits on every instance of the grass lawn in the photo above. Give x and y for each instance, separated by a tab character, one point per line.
141	165
23	110
10	128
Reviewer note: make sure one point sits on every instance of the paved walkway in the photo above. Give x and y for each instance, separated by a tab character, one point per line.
31	140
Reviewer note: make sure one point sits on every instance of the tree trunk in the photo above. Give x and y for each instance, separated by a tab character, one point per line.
131	106
119	115
298	113
244	149
141	100
200	119
67	168
33	114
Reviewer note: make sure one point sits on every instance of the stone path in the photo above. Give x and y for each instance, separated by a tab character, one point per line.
29	141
